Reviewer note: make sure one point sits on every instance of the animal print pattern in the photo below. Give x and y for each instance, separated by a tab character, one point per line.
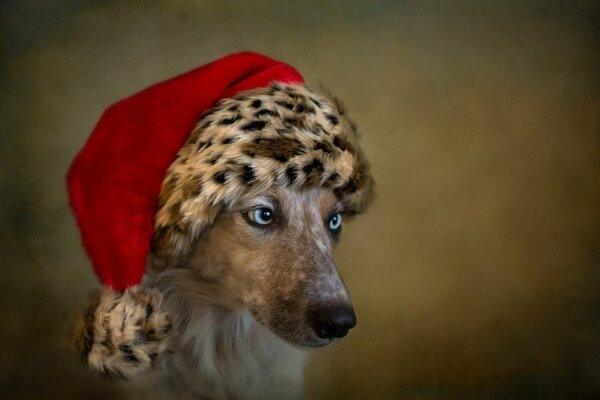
123	334
284	135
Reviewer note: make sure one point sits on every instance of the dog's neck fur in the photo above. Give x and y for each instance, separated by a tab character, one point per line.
222	352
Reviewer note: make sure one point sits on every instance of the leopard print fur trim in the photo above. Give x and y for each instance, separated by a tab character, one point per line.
280	135
123	334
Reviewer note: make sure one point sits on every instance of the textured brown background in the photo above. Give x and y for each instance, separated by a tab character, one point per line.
475	275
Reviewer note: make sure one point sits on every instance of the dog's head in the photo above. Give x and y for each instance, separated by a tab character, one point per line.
275	251
258	194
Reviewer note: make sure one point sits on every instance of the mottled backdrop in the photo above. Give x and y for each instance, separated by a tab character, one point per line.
476	273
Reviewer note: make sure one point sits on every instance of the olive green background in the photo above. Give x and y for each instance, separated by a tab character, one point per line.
475	275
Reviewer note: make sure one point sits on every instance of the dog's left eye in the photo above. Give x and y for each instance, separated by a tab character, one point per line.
261	215
335	222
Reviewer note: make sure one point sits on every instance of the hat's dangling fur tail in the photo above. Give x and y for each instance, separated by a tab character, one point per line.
123	334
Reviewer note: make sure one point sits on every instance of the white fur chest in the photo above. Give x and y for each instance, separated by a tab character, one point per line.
222	353
230	356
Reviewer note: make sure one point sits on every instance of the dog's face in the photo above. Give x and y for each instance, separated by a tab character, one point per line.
275	252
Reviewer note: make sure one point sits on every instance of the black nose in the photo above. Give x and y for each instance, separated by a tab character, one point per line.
331	322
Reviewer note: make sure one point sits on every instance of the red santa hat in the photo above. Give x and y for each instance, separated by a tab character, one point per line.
115	180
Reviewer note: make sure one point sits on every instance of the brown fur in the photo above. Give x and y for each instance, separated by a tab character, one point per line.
242	301
278	272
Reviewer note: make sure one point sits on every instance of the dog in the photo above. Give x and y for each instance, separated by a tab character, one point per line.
227	308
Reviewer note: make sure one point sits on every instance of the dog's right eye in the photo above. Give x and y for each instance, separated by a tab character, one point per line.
260	215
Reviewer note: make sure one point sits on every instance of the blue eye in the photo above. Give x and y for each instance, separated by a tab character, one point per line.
335	222
261	215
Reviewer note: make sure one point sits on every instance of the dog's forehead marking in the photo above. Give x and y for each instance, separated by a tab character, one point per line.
309	211
318	230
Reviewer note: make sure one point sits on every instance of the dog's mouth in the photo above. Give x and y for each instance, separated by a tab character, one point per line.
314	342
302	337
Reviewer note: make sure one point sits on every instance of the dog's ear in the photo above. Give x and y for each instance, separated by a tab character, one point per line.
171	239
123	334
170	245
175	234
179	218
